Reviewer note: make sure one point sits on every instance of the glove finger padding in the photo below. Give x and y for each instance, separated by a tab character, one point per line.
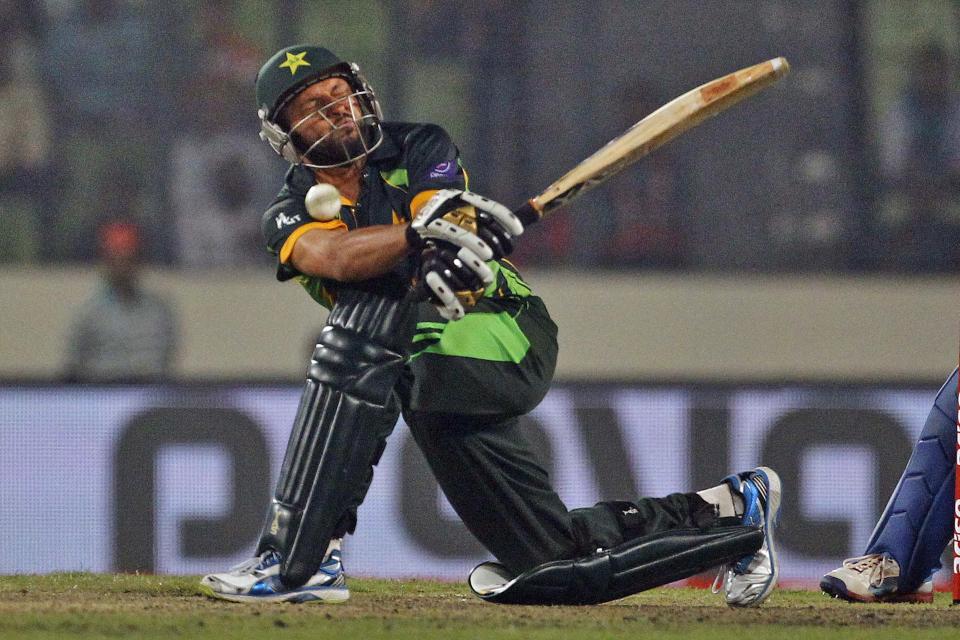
471	272
455	280
473	262
467	220
503	216
441	229
449	267
494	235
444	299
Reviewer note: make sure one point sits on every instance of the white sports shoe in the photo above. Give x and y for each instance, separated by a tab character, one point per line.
872	578
751	580
258	580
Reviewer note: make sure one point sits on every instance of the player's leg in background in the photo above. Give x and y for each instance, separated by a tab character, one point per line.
916	524
904	550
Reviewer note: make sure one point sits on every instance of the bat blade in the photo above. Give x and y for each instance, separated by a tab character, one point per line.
661	126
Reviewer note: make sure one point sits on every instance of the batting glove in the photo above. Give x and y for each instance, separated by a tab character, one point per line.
452	283
470	221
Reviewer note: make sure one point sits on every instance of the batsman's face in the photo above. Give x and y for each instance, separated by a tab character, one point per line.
326	110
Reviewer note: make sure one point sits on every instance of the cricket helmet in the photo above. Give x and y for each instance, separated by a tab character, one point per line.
290	71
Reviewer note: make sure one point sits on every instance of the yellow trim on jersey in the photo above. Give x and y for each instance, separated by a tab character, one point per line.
397	219
287	249
420	199
347	201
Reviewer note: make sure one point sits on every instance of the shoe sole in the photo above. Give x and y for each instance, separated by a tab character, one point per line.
772	516
330	595
836	588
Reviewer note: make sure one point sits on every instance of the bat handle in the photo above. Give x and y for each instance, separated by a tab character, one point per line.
527	213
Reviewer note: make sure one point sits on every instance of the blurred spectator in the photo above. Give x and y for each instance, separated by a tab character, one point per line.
222	175
226	52
124	333
109	104
218	196
646	203
920	162
24	137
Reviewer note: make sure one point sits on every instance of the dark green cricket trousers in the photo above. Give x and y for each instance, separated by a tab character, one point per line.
463	413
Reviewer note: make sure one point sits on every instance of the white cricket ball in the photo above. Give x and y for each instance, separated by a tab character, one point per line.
323	202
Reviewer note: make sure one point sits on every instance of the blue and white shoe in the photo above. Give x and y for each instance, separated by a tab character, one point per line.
258	580
750	580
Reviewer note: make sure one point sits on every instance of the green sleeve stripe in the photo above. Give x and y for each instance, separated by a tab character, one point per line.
515	282
317	290
431	325
396	178
516	285
485	336
511	279
427	336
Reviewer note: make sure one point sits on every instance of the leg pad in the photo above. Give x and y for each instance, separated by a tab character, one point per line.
609	574
347	410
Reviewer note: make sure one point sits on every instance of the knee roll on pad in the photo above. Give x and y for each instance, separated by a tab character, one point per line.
347	409
609	574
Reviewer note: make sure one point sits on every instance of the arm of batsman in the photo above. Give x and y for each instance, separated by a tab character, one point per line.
468	220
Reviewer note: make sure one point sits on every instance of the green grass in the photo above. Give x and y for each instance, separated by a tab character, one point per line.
119	606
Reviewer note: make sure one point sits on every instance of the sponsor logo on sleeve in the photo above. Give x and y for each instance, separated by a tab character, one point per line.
283	220
444	170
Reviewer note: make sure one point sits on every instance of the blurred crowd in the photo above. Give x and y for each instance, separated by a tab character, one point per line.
118	111
919	150
134	113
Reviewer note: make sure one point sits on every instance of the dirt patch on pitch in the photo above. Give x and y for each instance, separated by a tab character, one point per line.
678	609
436	606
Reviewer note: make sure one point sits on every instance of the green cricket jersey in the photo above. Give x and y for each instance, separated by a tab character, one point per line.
412	163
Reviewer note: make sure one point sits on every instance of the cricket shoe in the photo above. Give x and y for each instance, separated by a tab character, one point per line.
258	580
872	578
750	580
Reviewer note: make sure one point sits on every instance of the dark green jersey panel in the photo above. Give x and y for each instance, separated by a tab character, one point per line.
413	158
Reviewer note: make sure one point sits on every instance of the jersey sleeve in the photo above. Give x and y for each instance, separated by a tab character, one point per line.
433	163
286	219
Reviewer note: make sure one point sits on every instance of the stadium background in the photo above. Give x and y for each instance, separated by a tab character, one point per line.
773	287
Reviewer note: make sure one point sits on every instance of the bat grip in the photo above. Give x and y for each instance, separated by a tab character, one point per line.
527	214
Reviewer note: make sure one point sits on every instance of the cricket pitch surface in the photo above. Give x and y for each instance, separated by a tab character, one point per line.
80	605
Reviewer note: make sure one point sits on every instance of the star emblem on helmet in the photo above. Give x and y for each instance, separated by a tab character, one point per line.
294	61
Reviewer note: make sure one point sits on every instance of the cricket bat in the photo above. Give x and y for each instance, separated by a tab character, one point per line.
658	128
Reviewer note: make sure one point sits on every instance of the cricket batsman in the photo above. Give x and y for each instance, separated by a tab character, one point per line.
428	320
904	550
